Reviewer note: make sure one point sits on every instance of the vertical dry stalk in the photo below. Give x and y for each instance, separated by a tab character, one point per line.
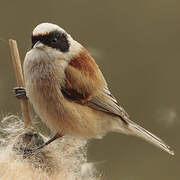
20	81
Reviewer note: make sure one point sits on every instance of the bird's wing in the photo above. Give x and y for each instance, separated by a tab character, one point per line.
106	102
85	84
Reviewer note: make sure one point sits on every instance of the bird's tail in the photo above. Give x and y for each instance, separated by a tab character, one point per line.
136	130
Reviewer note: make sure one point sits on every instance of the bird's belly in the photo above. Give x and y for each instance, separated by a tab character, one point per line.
64	116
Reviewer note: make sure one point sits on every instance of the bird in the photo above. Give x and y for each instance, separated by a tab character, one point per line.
69	92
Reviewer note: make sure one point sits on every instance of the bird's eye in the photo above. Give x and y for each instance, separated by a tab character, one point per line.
54	40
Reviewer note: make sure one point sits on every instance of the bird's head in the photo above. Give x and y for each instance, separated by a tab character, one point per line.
55	41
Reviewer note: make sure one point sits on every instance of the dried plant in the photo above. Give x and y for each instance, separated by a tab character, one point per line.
62	160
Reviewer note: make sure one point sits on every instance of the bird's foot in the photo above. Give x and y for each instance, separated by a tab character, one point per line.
20	92
30	151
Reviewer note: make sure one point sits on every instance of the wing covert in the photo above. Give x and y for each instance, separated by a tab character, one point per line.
85	84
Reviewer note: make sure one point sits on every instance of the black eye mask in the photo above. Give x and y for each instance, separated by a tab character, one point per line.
55	39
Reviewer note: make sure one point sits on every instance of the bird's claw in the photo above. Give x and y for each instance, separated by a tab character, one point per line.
28	151
20	92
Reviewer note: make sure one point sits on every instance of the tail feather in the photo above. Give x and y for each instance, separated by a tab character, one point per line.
136	130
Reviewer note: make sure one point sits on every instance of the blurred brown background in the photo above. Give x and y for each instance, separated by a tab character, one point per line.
136	43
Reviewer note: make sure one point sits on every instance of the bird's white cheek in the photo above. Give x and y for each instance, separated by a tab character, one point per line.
38	45
53	53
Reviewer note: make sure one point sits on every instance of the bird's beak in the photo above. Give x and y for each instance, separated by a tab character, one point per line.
38	45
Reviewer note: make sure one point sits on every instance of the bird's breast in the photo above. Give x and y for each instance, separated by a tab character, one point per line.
43	79
43	73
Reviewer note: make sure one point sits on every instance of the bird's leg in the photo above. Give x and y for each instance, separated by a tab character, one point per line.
20	92
28	151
